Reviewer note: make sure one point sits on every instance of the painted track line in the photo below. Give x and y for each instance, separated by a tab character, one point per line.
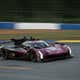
70	41
15	68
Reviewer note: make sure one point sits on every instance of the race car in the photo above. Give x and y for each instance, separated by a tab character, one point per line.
36	51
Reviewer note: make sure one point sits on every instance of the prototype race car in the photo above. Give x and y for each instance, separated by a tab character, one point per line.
36	51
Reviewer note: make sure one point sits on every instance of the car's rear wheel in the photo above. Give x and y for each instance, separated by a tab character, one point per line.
7	54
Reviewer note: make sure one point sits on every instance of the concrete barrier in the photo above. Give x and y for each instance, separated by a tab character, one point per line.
62	26
70	26
7	25
37	26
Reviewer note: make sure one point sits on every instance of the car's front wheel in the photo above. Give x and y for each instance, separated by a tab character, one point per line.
34	58
70	52
69	55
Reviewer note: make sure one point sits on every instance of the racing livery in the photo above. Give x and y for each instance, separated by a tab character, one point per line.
36	51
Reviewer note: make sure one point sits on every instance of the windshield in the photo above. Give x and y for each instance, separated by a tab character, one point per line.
38	45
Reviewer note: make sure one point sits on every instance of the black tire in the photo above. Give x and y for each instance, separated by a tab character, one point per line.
5	54
32	57
39	59
69	55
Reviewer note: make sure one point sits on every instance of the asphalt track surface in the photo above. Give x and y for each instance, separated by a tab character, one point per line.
67	69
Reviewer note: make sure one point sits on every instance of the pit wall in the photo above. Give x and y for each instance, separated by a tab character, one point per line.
54	26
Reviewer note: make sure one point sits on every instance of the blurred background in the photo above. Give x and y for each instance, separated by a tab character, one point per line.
67	11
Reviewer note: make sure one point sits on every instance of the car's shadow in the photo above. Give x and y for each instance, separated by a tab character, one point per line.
45	61
59	59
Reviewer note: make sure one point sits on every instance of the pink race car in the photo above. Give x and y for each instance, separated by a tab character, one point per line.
36	50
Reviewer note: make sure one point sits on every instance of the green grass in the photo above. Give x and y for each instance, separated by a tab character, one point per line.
40	19
53	35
